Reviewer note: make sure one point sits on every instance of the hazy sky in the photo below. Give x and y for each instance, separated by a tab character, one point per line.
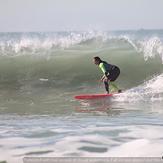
59	15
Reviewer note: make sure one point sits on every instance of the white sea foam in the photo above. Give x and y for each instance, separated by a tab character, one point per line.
36	44
89	140
33	43
137	148
151	47
151	90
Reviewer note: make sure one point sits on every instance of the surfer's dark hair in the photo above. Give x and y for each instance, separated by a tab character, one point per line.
97	58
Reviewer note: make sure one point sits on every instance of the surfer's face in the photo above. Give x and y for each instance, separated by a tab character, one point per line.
96	62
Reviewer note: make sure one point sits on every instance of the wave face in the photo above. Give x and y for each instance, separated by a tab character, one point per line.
52	56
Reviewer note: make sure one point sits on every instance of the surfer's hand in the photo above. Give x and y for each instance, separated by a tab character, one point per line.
101	79
105	79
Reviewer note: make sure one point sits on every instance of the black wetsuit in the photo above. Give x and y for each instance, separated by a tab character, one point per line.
111	72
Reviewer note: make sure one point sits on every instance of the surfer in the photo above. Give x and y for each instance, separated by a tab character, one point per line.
111	73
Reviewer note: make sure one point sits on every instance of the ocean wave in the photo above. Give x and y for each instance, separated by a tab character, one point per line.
69	54
19	44
32	43
150	91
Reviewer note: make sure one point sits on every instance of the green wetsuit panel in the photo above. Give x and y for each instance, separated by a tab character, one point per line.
102	67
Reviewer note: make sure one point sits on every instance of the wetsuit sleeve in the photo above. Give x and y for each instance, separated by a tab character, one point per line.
102	67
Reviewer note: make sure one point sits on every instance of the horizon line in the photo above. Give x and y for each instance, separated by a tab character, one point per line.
97	30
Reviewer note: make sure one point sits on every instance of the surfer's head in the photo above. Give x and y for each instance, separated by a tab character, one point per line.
97	60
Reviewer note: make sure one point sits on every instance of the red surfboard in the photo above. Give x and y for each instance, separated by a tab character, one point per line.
92	96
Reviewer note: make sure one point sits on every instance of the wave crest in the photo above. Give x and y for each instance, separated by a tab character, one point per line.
151	48
44	43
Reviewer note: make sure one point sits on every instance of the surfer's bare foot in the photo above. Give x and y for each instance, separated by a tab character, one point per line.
107	92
